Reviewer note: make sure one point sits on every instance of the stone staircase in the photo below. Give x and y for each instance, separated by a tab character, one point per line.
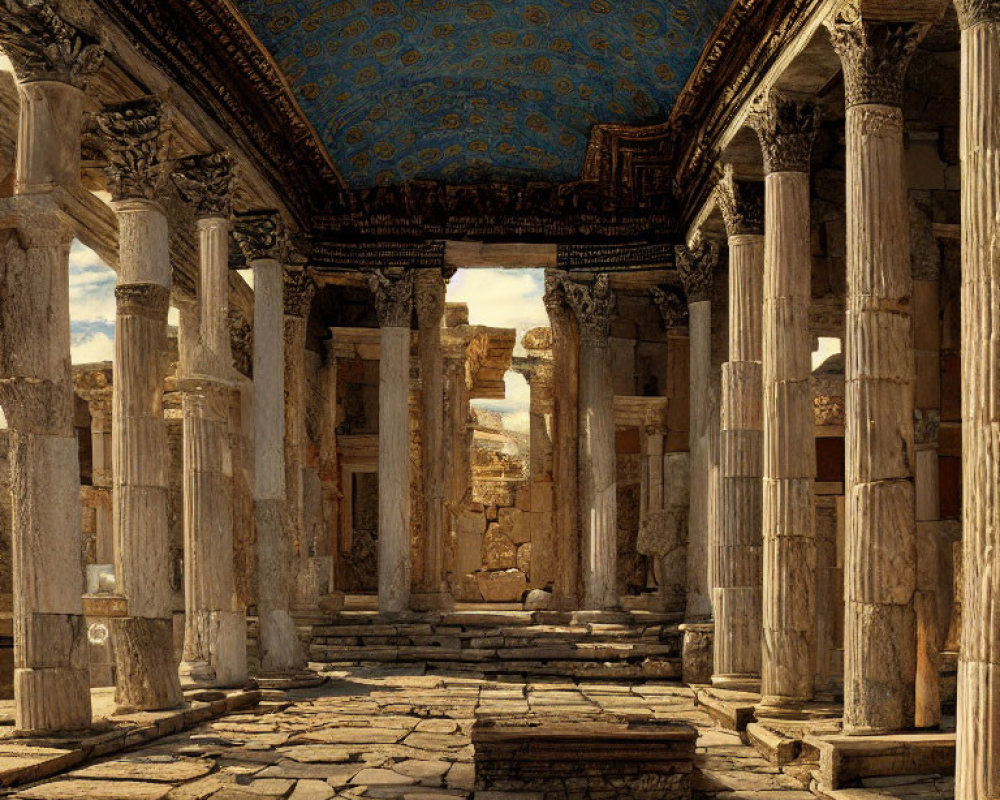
634	645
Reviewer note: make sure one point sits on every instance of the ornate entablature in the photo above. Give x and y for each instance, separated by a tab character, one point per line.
349	256
613	257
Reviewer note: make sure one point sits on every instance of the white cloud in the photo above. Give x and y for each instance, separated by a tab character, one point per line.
92	348
91	306
502	298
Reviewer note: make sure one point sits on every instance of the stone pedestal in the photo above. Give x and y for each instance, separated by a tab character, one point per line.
737	594
593	307
880	581
393	295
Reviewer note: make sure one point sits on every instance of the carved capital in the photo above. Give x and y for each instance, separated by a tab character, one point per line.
299	292
393	295
786	127
696	265
594	307
742	205
148	300
429	295
555	296
241	339
977	12
42	46
926	426
874	56
672	305
207	183
136	146
260	235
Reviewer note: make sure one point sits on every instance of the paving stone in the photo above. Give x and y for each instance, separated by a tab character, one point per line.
96	790
312	790
422	770
376	777
146	770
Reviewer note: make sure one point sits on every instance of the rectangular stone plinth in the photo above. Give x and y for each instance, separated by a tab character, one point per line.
562	758
843	760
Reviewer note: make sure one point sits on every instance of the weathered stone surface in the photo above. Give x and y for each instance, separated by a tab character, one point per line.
499	551
538	600
502	587
96	790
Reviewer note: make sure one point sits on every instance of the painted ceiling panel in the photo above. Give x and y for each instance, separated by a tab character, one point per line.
466	91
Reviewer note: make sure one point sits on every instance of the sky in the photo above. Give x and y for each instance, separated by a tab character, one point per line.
504	298
91	306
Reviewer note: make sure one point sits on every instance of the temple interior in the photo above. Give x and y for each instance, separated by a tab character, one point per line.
428	399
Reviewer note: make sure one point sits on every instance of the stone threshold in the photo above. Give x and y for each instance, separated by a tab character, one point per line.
732	710
29	759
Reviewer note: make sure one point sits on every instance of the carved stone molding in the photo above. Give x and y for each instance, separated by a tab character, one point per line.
554	297
977	12
135	147
142	300
786	127
597	257
241	339
881	121
874	56
741	203
43	46
672	305
393	295
594	307
429	295
300	288
696	265
260	235
207	183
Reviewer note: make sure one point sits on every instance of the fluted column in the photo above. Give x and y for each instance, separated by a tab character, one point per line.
737	597
429	297
697	265
978	756
393	295
51	670
565	437
787	128
594	307
143	639
261	237
880	540
214	622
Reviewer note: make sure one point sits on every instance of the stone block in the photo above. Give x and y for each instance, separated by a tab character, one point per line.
502	587
470	529
515	525
499	551
524	558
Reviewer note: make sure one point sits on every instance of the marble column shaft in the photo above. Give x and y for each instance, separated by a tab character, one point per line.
738	593
594	307
393	296
786	130
298	293
977	767
880	539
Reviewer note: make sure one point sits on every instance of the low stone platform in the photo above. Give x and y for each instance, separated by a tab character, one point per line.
579	758
24	760
845	761
732	710
596	645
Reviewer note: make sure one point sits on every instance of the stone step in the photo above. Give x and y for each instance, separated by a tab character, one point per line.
843	760
570	652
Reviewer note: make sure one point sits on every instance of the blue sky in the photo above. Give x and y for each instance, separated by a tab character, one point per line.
91	306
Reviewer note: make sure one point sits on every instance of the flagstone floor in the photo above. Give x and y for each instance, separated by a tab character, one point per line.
398	734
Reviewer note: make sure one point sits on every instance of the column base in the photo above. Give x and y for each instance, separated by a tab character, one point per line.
782	708
737	683
51	699
303	679
147	678
432	601
699	652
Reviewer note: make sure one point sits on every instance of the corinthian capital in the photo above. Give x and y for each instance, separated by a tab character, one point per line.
594	307
42	46
976	12
786	126
741	203
260	235
136	146
672	306
874	55
429	295
696	265
393	295
207	183
299	292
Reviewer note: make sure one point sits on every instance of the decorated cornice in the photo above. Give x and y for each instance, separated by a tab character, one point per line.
299	290
135	146
336	255
393	296
672	306
260	235
597	257
41	45
207	183
786	127
874	55
696	265
977	12
594	307
741	203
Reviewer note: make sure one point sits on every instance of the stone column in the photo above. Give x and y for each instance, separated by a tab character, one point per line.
429	297
594	306
565	436
880	581
977	761
739	562
697	265
215	621
786	128
393	295
329	467
143	639
261	237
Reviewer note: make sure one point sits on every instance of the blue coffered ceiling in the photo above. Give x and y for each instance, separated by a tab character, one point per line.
465	91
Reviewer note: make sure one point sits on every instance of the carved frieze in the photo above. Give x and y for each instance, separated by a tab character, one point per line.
786	127
335	255
135	146
207	183
597	257
299	290
672	306
874	56
594	307
260	235
741	203
393	296
696	265
43	46
142	300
